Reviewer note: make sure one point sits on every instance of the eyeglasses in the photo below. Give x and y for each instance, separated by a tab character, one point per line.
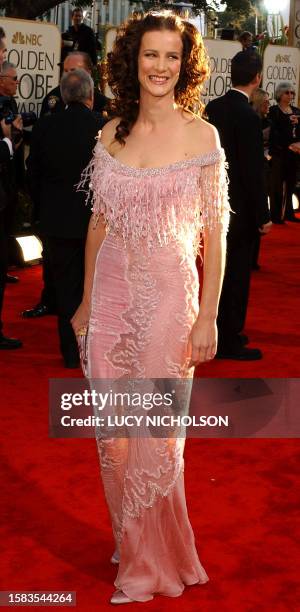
7	76
290	92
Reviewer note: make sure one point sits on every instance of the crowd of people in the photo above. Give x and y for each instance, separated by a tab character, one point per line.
15	174
261	146
122	275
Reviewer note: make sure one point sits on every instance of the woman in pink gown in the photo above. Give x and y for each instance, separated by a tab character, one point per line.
158	181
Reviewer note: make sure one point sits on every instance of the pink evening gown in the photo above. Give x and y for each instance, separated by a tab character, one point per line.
144	304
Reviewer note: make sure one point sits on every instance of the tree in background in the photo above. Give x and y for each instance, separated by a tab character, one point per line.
242	14
30	9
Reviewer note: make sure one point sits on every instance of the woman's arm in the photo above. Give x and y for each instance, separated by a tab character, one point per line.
204	334
215	218
95	236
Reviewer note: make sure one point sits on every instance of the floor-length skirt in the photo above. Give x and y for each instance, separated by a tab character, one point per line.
143	308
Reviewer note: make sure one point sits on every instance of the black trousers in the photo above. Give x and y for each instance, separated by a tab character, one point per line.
282	185
3	263
48	294
235	291
66	256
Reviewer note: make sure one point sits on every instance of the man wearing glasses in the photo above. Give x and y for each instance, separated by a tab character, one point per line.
8	87
6	154
9	83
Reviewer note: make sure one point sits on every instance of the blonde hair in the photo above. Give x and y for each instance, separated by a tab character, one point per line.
257	99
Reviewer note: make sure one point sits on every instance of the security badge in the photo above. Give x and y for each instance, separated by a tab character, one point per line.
52	101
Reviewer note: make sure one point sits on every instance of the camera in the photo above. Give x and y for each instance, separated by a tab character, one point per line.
8	114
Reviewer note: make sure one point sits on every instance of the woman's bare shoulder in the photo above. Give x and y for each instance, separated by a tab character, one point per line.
200	136
108	132
203	135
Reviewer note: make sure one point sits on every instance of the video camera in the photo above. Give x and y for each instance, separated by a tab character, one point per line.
7	113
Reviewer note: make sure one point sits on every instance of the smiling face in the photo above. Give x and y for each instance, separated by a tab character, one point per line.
159	62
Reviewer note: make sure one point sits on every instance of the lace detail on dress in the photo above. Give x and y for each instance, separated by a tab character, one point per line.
184	318
164	464
113	459
127	351
149	207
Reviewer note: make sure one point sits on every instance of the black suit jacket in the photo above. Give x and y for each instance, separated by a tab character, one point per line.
52	103
61	147
7	175
4	152
4	164
241	136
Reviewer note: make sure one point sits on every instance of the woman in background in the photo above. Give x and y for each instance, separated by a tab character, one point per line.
285	130
261	104
159	182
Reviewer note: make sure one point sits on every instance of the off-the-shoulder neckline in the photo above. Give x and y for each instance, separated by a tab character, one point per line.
203	159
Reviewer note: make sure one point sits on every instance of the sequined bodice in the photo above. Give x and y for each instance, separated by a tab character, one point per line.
147	207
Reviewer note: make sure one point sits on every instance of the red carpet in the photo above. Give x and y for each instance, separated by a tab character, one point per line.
242	494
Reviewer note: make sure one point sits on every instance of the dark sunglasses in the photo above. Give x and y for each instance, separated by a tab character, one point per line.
290	92
7	76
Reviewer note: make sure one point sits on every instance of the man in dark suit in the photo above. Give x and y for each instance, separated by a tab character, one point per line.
61	148
241	136
53	103
6	155
8	88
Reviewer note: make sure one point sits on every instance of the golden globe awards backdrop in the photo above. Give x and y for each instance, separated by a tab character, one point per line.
34	48
281	63
220	53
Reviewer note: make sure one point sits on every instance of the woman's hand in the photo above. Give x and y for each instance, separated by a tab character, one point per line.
295	147
203	341
80	319
18	123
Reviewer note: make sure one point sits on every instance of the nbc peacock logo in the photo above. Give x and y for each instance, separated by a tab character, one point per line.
18	38
283	58
34	40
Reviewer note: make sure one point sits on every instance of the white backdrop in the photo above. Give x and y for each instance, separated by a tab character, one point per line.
280	64
34	48
220	53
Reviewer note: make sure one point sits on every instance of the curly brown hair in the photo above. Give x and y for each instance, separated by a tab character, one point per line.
122	67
